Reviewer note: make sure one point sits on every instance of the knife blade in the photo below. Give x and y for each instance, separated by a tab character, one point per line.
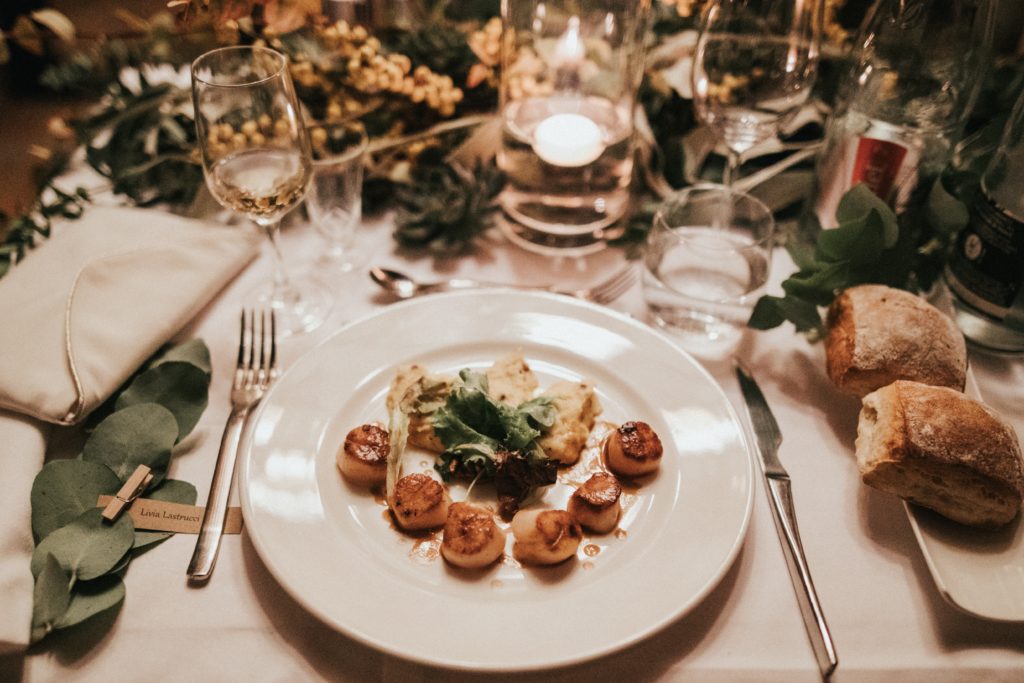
780	496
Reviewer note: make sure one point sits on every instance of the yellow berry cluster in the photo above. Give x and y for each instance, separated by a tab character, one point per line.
528	76
722	92
685	8
486	45
223	137
372	72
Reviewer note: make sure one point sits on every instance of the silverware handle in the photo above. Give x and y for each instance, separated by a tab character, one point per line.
781	498
212	528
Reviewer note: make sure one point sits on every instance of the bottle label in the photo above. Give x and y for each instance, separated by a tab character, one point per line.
877	165
987	267
877	159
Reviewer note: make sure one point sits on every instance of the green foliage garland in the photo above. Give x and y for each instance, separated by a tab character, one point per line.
80	558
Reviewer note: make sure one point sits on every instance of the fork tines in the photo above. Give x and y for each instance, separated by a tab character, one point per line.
257	348
614	287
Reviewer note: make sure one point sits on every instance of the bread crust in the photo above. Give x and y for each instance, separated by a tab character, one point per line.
938	448
877	335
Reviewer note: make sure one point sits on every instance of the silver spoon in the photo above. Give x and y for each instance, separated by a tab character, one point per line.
404	287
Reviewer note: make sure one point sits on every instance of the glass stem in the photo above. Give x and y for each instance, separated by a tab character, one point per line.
283	293
732	164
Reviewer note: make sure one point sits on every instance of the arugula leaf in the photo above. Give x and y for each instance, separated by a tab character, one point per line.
494	441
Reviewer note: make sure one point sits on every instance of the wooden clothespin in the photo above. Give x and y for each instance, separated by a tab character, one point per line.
131	490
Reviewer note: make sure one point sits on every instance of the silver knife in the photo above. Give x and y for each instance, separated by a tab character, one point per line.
777	486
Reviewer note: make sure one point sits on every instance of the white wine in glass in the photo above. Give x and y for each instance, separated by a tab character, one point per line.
257	161
754	67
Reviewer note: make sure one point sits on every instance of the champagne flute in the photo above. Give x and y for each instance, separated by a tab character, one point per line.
753	68
257	160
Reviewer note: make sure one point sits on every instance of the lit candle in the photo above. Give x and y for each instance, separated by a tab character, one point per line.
568	140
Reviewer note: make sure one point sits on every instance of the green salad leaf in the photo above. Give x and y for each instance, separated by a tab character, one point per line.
492	441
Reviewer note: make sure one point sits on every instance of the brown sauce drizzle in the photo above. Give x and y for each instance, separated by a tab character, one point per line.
591	550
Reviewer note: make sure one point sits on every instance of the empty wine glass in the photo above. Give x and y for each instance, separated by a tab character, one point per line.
753	68
334	201
257	161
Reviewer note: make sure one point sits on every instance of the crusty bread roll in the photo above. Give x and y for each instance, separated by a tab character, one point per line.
935	447
877	335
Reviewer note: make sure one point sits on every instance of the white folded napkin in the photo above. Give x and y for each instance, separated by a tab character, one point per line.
77	317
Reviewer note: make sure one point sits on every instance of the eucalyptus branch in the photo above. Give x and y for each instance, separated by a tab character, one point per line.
385	144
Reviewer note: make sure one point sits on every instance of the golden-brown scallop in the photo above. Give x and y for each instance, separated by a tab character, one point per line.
472	539
633	449
419	502
363	459
595	505
545	536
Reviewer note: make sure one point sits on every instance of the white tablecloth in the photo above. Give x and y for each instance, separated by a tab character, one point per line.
888	619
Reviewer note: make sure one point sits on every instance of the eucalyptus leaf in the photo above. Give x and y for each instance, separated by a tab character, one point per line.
50	597
88	547
64	489
171	491
193	351
179	386
91	598
141	434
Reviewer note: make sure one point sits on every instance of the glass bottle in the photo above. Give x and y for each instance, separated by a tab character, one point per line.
986	269
916	71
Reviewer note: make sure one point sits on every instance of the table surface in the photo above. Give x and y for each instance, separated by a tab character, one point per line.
888	620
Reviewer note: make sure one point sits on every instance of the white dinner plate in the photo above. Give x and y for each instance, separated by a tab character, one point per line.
331	546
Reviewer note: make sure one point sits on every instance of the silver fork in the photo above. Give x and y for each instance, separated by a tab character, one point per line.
255	370
404	287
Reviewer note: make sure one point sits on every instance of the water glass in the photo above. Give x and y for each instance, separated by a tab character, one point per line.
334	201
706	262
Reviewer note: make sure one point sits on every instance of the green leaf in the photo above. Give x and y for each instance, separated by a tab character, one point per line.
171	491
818	287
193	351
64	489
767	313
772	311
140	434
91	598
88	547
858	242
944	212
858	202
50	597
179	386
540	410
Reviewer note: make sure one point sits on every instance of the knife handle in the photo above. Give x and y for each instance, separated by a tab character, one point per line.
781	499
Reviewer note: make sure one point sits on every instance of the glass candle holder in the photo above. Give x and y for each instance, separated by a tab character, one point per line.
569	80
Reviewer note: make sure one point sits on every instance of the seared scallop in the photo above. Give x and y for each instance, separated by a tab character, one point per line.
595	505
633	449
472	539
545	536
419	502
364	457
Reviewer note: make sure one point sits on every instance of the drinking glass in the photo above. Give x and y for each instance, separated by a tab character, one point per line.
753	68
706	262
256	160
334	201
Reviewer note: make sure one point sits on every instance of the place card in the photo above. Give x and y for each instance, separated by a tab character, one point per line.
158	515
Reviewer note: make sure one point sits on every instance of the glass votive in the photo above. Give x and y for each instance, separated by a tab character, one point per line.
570	74
706	262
